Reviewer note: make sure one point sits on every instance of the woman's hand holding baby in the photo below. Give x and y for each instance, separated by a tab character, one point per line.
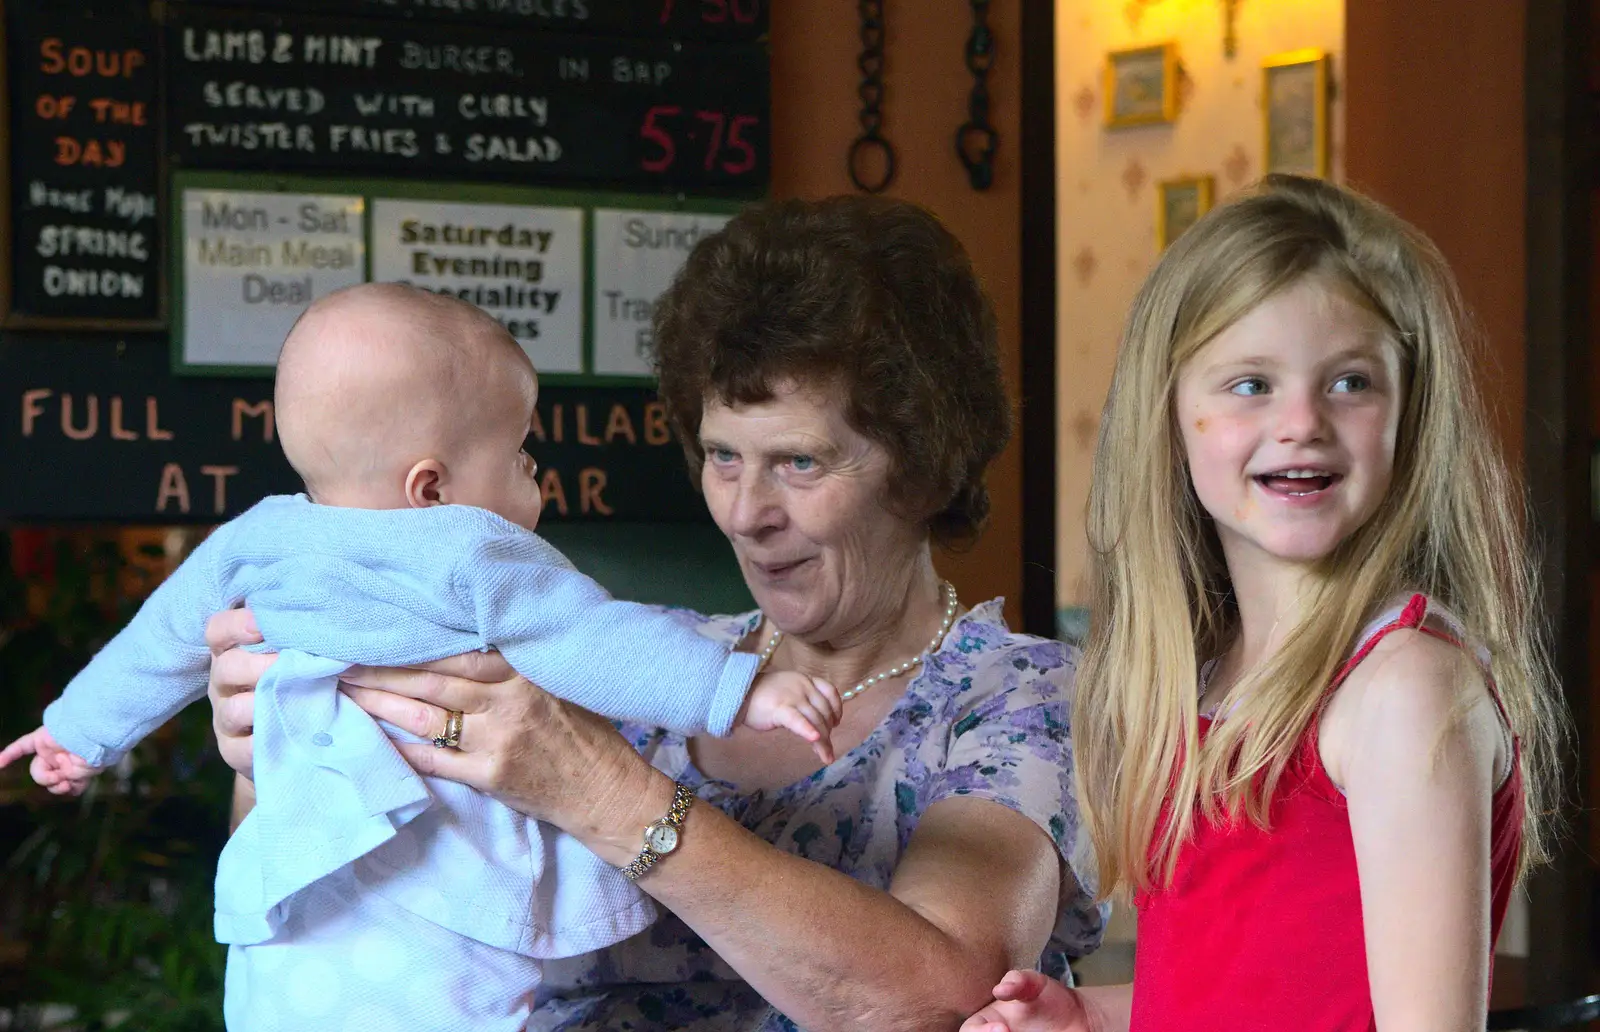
549	759
495	701
234	673
809	707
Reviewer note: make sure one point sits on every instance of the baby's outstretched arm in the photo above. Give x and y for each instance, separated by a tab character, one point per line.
1027	1001
62	772
805	705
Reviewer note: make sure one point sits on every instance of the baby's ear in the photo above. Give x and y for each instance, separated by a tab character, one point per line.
425	484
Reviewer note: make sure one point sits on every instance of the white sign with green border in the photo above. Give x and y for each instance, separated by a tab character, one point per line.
253	261
636	255
521	264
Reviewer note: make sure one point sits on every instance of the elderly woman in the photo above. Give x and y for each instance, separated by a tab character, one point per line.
831	368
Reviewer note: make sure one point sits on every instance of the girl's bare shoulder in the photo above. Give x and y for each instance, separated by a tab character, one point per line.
1413	694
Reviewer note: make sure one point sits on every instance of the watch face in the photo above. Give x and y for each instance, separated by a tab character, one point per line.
663	838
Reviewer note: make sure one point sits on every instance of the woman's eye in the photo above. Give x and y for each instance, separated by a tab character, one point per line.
1352	383
802	463
721	456
1249	387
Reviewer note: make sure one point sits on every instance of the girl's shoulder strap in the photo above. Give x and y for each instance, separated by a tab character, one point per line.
1417	613
1408	615
1422	614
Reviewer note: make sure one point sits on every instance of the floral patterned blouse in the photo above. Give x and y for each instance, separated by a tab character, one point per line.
987	716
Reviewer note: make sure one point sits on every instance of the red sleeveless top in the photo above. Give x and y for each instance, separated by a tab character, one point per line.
1272	919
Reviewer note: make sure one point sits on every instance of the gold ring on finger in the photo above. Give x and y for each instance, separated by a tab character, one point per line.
450	738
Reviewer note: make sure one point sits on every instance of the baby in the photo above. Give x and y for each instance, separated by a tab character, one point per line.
405	414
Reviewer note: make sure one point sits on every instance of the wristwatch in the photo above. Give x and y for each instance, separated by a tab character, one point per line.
661	836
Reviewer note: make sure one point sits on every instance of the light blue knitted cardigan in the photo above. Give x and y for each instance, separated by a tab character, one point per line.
331	587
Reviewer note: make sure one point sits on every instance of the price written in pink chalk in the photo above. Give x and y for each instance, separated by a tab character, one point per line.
725	144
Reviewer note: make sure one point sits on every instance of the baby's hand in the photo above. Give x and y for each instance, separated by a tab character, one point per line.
62	772
808	707
1027	1001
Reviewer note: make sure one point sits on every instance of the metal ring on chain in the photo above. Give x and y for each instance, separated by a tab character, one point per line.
976	143
977	140
871	142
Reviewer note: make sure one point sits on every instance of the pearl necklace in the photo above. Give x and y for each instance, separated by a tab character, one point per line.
950	604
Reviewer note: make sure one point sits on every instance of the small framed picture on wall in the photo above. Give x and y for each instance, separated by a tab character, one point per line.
1180	203
1294	112
1142	85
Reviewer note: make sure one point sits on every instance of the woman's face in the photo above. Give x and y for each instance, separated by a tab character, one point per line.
803	497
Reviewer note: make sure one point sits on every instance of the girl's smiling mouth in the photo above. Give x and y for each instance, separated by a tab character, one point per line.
1299	481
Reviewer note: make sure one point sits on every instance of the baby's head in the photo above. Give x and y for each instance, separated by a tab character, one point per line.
389	396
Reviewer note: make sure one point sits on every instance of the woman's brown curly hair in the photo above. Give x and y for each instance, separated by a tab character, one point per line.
865	294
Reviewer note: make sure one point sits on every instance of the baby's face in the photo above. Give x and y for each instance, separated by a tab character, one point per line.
496	473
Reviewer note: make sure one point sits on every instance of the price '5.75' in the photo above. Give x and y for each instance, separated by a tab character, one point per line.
726	148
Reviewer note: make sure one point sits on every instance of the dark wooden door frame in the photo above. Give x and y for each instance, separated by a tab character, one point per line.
1557	442
1038	386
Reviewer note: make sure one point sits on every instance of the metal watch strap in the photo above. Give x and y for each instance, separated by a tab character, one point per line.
682	799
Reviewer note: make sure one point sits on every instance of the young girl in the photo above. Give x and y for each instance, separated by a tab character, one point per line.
1315	732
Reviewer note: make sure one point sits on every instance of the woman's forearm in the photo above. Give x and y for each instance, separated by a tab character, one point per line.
977	886
244	800
826	950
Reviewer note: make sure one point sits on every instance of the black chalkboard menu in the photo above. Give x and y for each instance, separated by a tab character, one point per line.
721	20
400	97
113	112
84	242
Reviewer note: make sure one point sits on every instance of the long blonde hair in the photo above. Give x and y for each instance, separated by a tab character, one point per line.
1451	526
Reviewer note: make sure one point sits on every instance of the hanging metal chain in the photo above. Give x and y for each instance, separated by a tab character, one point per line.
977	140
871	143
